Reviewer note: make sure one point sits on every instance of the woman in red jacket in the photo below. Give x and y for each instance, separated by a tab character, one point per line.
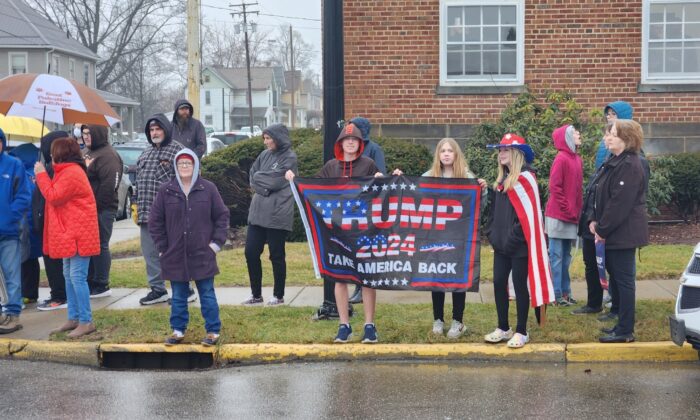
563	209
70	229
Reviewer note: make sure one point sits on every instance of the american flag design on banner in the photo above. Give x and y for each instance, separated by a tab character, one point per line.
525	198
395	233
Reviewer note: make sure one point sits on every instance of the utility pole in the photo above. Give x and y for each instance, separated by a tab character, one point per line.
333	76
294	76
247	56
193	56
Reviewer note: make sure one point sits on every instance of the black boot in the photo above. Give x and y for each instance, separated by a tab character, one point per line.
327	310
356	296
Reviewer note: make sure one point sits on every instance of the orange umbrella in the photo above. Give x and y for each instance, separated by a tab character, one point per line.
52	98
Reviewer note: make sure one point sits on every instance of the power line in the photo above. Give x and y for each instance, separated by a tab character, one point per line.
261	14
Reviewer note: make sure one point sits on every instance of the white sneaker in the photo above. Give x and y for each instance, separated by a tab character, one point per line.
499	335
274	301
456	330
438	327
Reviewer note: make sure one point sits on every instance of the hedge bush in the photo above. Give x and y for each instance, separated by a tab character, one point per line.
684	177
228	168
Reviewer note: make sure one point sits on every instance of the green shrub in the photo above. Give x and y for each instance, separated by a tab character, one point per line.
413	159
684	177
660	188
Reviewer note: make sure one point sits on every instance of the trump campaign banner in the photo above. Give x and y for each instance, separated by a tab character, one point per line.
393	233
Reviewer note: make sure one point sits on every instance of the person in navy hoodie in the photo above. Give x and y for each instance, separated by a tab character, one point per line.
563	208
14	203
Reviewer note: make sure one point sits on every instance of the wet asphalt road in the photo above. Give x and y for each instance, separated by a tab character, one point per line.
354	390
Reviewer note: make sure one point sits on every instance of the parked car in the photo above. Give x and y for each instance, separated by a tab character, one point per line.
685	323
256	130
213	144
124	193
230	137
130	153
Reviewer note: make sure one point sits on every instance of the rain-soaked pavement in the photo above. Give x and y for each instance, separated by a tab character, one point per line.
354	390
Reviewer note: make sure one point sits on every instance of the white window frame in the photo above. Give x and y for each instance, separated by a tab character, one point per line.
22	54
207	97
86	78
55	64
519	79
646	20
71	69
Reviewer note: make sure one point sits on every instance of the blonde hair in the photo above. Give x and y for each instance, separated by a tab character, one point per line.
631	133
460	168
510	177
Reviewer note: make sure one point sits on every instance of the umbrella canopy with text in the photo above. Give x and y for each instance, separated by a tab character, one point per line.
52	98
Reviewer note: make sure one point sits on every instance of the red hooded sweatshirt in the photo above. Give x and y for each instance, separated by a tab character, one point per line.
565	180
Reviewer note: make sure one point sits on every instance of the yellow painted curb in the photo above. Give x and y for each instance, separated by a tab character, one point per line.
155	348
259	353
664	351
4	347
55	351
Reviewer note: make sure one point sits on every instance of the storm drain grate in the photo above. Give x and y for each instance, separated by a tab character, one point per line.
157	361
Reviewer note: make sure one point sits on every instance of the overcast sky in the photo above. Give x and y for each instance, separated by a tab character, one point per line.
285	10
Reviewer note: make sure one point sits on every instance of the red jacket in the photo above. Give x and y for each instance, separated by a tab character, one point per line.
565	181
71	214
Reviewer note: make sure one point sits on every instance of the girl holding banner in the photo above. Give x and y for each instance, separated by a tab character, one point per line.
449	162
517	236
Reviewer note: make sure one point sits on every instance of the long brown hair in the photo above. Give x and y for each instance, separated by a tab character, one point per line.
508	177
460	168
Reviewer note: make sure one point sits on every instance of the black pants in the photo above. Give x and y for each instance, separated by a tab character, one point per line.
622	267
502	266
459	299
254	244
328	291
98	275
57	283
30	278
595	290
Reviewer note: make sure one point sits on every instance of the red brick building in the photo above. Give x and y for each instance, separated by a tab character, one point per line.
427	69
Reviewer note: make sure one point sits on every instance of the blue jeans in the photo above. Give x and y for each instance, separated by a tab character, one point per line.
180	316
560	260
10	263
75	271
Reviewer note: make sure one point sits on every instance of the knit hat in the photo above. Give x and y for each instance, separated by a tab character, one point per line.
514	140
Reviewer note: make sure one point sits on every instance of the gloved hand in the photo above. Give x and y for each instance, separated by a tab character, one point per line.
134	213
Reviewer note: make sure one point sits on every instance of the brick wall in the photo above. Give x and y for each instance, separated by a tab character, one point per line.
591	48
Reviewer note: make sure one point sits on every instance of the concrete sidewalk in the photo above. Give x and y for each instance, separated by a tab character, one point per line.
38	324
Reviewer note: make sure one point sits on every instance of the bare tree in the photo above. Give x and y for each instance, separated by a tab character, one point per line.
109	28
304	52
223	46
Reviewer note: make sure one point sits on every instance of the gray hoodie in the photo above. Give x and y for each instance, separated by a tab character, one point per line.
272	205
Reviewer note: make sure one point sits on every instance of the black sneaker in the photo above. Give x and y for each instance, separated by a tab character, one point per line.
100	292
329	310
610	316
584	310
153	297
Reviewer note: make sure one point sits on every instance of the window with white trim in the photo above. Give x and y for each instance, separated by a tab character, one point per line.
56	64
86	73
18	63
71	69
481	42
207	97
671	41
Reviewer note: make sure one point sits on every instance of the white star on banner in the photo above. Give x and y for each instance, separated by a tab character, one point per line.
375	188
395	282
318	204
365	281
413	187
393	185
385	187
328	204
365	188
403	186
404	282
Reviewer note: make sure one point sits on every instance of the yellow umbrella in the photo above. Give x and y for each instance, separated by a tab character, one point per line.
22	128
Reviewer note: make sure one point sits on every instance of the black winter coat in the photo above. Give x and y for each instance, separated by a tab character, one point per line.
620	203
505	232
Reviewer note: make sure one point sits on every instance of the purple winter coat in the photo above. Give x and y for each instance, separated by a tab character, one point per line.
183	227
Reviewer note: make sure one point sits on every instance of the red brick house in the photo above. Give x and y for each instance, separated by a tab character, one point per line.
427	69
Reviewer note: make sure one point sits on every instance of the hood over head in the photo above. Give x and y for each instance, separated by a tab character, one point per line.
622	109
46	143
162	123
3	139
27	153
349	130
178	104
195	174
564	138
364	125
280	135
99	135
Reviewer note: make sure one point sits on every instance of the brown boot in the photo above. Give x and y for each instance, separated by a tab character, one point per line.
81	330
67	326
9	324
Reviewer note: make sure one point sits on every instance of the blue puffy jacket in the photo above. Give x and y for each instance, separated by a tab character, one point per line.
15	198
624	112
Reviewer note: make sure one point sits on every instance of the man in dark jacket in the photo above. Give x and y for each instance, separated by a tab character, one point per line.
154	168
187	130
14	202
271	212
105	169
